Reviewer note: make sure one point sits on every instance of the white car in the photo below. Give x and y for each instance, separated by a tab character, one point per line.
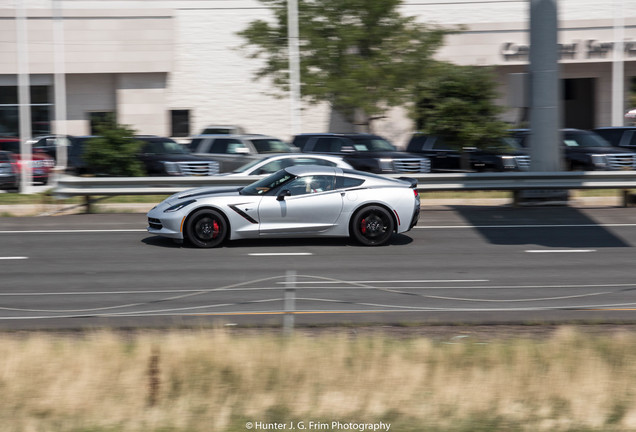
273	163
299	201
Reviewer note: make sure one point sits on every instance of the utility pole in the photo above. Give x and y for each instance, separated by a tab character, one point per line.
545	113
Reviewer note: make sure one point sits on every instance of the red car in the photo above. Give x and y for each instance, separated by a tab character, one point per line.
41	163
8	172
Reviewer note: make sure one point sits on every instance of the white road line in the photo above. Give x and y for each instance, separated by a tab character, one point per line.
281	254
71	231
226	289
560	250
387	281
14	258
522	226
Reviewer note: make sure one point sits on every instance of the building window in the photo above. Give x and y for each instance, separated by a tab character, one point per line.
41	110
99	118
180	123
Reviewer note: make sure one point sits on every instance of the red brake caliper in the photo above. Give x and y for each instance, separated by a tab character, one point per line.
363	226
215	229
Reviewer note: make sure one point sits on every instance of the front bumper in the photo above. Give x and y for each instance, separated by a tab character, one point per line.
166	224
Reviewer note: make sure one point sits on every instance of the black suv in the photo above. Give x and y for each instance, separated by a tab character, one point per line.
500	155
365	152
585	150
160	156
619	136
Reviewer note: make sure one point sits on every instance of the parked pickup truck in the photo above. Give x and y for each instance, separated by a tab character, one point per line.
365	152
234	151
585	150
161	156
500	155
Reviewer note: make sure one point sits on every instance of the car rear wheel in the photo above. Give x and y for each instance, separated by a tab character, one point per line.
206	228
372	226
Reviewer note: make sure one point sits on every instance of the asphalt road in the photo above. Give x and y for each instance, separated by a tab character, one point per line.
461	264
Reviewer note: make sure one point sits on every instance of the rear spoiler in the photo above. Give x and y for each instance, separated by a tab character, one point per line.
411	180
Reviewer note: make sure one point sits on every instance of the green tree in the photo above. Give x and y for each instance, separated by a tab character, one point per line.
113	151
458	102
360	56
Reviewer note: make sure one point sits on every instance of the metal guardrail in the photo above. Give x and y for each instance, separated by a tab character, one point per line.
70	186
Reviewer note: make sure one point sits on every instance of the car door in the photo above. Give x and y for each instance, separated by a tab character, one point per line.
443	156
307	209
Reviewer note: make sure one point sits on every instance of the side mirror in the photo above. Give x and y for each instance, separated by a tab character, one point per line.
284	193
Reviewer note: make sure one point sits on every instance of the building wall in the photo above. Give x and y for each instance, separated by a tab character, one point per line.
143	58
88	93
106	40
141	101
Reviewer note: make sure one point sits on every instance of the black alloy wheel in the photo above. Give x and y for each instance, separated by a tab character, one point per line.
206	228
372	226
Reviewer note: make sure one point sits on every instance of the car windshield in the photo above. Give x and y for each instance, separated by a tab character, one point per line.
267	184
504	145
269	145
164	147
584	140
372	144
247	166
10	145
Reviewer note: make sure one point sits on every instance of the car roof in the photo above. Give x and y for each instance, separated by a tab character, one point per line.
152	138
336	134
615	128
271	156
302	170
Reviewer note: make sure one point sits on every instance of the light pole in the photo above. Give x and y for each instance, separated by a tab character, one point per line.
60	85
24	97
294	65
618	71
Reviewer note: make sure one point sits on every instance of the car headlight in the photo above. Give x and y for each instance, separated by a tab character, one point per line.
509	162
599	160
386	164
179	206
172	168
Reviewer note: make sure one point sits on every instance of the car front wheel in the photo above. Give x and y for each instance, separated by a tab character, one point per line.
206	228
372	226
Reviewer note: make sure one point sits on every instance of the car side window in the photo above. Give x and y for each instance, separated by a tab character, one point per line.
348	182
311	184
440	144
632	139
417	143
194	144
327	144
225	145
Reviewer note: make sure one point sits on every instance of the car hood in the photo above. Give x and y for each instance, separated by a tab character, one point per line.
205	192
598	150
383	155
176	158
501	153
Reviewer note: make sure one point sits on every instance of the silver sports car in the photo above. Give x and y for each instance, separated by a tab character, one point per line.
298	201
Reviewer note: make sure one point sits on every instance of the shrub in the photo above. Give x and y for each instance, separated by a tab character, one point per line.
113	152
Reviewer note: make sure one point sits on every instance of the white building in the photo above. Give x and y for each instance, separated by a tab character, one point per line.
170	67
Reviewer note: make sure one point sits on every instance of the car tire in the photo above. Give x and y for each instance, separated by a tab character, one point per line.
372	226
206	228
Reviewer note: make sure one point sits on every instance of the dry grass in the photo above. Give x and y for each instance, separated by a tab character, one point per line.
217	381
